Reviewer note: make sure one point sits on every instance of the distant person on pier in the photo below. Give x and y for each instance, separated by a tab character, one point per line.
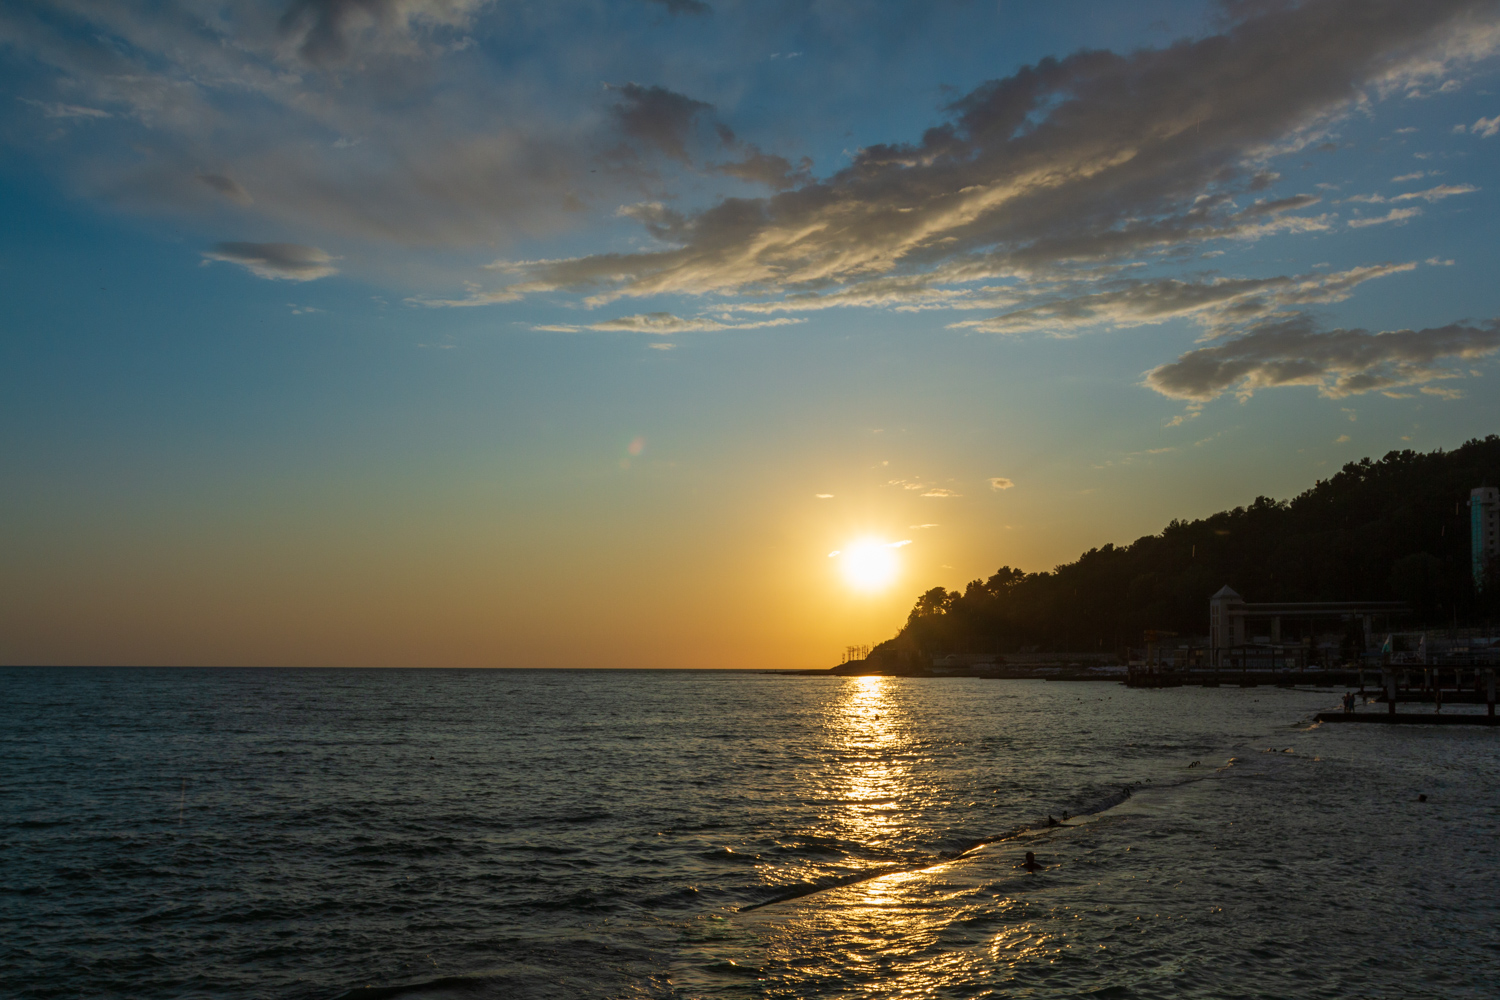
1348	702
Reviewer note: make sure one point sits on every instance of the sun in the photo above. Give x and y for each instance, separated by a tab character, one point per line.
869	564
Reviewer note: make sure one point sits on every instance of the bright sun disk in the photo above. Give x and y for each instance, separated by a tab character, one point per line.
869	565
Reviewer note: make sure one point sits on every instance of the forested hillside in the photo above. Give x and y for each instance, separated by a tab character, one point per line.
1396	529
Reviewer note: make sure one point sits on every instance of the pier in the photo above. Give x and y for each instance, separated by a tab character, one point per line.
1412	718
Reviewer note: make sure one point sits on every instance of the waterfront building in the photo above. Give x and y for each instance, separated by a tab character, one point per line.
1228	614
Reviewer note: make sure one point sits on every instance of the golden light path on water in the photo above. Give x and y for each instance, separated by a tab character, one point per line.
907	933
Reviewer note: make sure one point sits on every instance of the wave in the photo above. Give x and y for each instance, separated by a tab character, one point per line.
798	891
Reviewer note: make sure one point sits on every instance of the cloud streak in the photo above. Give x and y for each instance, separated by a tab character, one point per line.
288	261
1338	362
1214	301
665	324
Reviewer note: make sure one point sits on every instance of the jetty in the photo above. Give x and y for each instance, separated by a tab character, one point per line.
1412	718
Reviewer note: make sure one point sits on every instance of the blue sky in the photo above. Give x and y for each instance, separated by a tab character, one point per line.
441	332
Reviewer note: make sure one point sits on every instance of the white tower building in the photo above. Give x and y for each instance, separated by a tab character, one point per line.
1225	629
1484	529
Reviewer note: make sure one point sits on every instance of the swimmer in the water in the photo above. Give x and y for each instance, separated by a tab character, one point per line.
1030	863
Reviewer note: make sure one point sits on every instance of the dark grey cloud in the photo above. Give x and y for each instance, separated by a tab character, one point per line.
773	171
327	32
347	120
289	261
228	187
1340	362
659	117
684	6
1091	158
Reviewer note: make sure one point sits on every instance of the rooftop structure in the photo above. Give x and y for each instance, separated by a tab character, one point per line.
1228	612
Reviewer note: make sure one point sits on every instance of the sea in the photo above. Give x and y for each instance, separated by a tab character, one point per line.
518	834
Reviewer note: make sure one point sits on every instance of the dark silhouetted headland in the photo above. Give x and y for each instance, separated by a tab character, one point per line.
1394	529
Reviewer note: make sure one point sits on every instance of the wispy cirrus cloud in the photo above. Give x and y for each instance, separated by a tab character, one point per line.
57	109
1394	215
1134	302
666	324
1430	195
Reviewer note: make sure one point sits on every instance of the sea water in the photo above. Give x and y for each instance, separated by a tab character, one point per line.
561	834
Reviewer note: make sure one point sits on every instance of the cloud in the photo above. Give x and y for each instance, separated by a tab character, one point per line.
1214	301
667	323
1091	158
450	151
55	109
1339	363
1394	215
1000	483
477	297
1430	195
329	32
290	261
823	496
684	6
228	187
1486	128
919	527
883	545
774	172
658	117
1342	439
941	492
380	121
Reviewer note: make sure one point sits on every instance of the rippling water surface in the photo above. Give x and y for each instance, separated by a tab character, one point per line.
530	834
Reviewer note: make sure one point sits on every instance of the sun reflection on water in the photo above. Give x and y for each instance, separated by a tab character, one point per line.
875	777
906	931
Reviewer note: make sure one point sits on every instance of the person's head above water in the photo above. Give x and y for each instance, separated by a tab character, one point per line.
1030	864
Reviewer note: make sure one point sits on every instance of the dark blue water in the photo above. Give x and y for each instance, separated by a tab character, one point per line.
309	833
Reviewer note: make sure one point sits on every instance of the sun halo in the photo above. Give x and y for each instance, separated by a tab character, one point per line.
869	564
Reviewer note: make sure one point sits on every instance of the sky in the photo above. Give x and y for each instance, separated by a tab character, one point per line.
668	333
